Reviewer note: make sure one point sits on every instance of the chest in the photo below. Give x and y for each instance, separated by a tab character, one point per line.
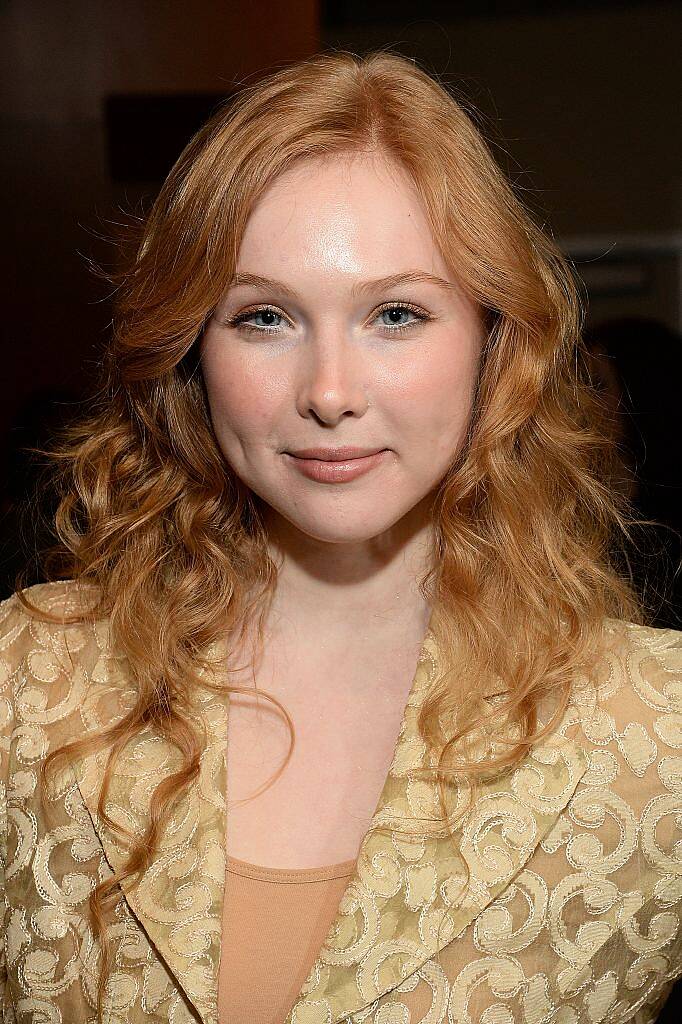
314	808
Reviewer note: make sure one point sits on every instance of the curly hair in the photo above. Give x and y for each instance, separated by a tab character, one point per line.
527	530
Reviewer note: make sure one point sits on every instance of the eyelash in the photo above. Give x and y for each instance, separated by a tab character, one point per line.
239	320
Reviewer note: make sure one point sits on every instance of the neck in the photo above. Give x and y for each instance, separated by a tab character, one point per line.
363	589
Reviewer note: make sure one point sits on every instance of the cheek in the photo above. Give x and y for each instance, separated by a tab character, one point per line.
241	401
435	393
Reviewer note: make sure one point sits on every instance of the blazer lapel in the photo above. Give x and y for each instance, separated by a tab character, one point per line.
407	899
179	899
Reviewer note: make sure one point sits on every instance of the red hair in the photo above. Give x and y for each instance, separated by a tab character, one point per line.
525	525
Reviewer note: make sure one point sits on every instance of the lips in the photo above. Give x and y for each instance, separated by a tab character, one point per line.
336	470
344	454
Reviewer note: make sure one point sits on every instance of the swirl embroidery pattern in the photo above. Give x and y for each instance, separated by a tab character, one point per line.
559	900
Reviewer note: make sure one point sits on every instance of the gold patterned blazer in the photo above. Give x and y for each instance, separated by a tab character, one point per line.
560	900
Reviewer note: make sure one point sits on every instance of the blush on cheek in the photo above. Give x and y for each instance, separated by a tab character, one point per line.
230	390
246	414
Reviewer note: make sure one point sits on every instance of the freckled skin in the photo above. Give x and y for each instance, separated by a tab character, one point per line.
333	376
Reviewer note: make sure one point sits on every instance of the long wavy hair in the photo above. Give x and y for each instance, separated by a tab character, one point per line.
526	528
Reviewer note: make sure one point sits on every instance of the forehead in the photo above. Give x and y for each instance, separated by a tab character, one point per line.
349	212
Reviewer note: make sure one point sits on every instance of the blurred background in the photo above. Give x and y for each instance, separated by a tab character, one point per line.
578	100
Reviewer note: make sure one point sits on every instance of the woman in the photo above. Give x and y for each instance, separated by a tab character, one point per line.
479	819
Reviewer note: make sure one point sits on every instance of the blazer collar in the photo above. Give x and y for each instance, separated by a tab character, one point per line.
406	899
178	901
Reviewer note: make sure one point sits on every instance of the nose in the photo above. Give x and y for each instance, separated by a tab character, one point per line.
332	379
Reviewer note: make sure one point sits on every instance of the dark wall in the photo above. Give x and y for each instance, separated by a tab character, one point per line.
584	98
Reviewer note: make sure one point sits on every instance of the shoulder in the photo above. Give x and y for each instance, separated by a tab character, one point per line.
61	597
635	694
47	660
46	620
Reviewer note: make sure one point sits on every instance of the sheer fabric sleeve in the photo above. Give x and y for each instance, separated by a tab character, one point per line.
12	624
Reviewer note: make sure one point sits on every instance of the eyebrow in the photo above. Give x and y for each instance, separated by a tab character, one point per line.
359	289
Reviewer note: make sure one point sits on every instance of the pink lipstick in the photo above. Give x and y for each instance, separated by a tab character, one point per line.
335	466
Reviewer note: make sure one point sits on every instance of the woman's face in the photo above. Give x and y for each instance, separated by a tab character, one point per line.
336	332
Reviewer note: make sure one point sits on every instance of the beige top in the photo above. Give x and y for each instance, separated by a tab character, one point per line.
274	922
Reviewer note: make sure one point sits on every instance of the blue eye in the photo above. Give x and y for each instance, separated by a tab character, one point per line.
267	328
268	315
401	310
